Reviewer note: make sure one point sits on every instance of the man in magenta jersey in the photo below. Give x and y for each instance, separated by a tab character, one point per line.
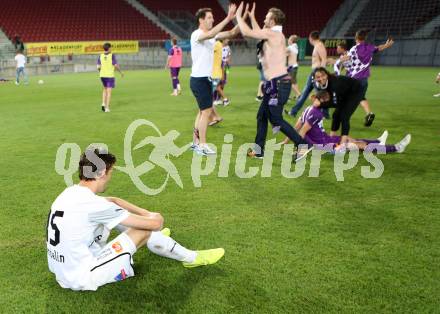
174	62
310	127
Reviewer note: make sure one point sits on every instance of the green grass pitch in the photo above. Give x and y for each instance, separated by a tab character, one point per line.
305	245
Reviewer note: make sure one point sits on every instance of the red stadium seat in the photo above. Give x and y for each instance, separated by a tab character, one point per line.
53	20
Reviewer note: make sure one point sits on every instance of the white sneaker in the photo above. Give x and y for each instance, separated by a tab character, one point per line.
226	102
217	102
437	95
401	146
16	83
206	150
107	110
383	138
302	153
197	149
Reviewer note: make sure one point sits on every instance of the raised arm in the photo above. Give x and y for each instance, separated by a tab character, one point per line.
228	34
254	22
217	29
247	31
233	32
386	45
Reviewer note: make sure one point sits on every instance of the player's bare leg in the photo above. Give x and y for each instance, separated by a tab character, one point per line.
196	136
104	98
109	96
139	237
369	118
203	124
214	117
296	90
366	106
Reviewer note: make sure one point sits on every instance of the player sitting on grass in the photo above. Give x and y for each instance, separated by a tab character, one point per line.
310	127
78	226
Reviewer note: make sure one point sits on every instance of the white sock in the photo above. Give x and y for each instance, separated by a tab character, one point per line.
178	86
167	247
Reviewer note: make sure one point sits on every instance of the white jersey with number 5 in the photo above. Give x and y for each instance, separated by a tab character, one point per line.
76	218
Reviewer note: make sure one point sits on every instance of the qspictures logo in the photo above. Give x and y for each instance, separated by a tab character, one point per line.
163	151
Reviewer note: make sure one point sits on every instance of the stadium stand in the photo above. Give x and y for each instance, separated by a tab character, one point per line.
179	16
188	5
79	20
302	17
53	20
398	18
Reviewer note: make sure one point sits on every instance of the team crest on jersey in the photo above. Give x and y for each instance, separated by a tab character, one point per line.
117	247
121	276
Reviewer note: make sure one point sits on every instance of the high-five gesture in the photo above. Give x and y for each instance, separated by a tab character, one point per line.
252	11
239	13
231	11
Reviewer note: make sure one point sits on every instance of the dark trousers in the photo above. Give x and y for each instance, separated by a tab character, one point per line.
274	115
343	113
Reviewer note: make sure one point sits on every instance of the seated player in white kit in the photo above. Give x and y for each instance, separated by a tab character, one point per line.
79	224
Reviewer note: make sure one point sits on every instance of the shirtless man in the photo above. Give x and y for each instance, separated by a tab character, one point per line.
319	59
292	62
277	85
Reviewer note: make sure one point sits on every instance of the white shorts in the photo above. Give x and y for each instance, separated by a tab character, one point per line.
114	261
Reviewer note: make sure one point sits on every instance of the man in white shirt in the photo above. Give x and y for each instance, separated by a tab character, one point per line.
202	54
79	223
342	63
20	60
292	62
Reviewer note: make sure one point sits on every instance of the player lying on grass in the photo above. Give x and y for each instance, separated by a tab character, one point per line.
310	127
79	224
